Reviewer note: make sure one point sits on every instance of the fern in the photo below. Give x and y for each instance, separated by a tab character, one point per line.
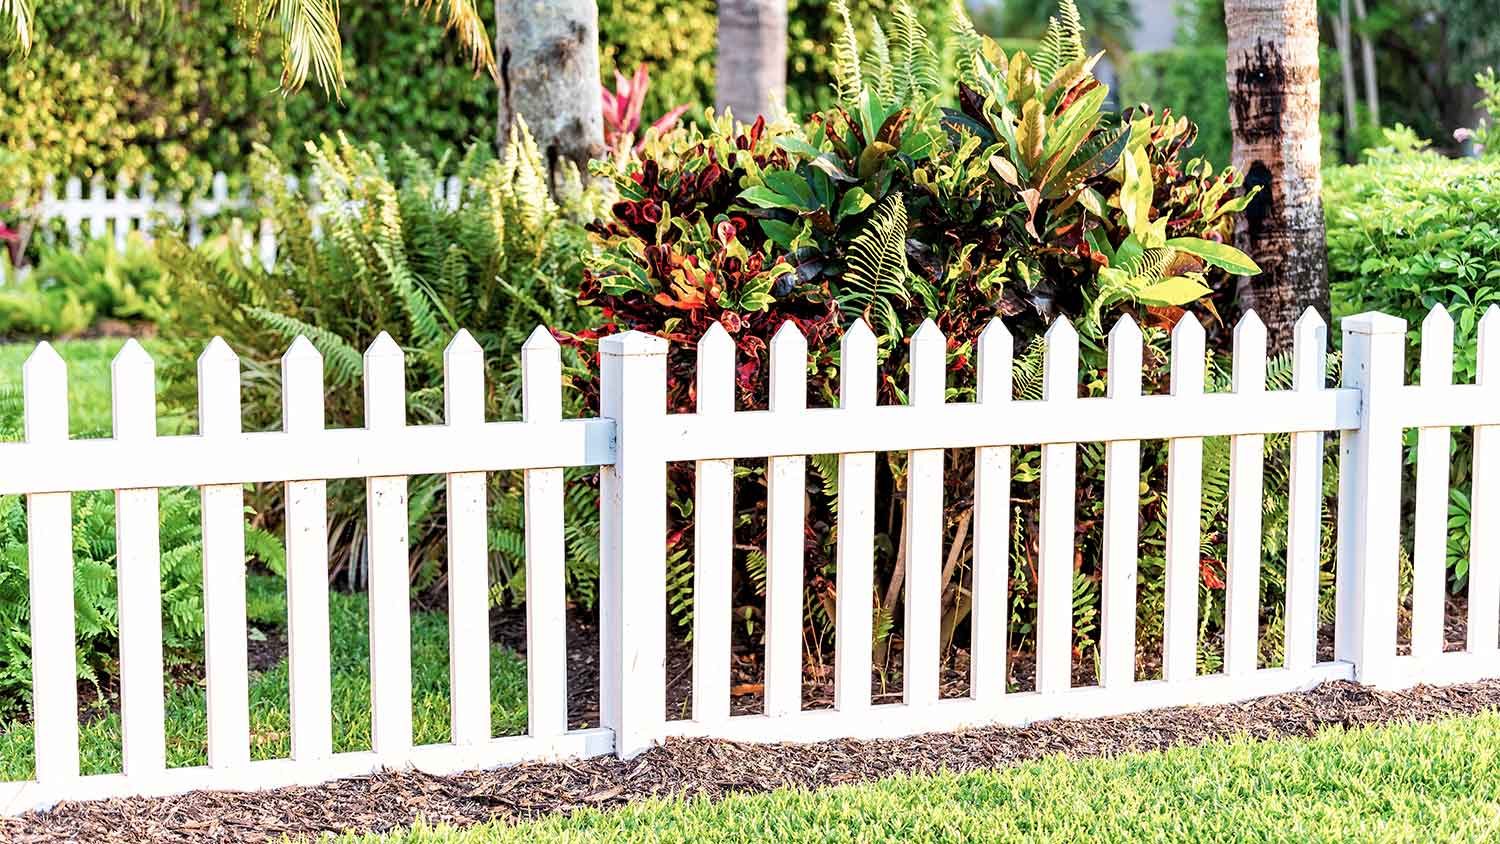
914	65
1062	42
847	77
875	274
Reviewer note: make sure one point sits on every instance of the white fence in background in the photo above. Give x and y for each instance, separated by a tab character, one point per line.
102	214
633	442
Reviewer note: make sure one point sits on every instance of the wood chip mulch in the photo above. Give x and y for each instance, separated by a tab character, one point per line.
712	769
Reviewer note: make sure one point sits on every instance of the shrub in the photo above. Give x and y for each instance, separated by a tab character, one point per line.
893	208
383	254
68	291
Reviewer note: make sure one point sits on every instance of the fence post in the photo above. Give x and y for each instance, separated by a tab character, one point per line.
1370	498
632	535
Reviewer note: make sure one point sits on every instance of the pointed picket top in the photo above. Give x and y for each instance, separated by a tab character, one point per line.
631	344
1437	347
1249	365
1489	346
1060	361
463	380
1309	351
715	385
133	387
1187	356
541	377
858	379
788	368
540	340
218	389
1125	342
385	384
44	380
302	387
928	371
997	348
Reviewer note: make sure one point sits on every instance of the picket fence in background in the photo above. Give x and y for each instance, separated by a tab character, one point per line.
105	214
632	442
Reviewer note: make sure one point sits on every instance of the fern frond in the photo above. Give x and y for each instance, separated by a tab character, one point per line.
879	61
344	361
1062	42
875	273
970	44
914	72
847	76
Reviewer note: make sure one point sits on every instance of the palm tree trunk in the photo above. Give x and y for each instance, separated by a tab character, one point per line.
548	56
1273	93
752	58
1367	60
1344	41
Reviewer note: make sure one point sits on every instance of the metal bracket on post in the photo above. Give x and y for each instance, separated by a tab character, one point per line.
1370	498
632	539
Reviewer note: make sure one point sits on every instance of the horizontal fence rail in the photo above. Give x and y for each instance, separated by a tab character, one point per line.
632	442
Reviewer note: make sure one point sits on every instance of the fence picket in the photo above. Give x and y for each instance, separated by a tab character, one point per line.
98	195
468	551
1305	502
989	610
389	584
921	648
786	479
1246	483
1054	624
713	537
1484	502
138	563
1430	541
855	599
1122	505
122	219
308	657
72	211
1184	513
49	536
224	643
546	579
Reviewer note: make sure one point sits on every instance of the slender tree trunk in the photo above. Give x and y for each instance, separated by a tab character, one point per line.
752	58
1273	93
1344	42
1367	61
548	55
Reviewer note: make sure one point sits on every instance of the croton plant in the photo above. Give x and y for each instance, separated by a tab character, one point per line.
1009	190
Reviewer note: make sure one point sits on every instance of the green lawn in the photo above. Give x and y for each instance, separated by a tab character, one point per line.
270	719
1437	782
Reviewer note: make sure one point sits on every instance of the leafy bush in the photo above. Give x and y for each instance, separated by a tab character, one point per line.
68	291
1187	80
1014	196
383	254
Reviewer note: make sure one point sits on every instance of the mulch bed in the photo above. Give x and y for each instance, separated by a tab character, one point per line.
713	769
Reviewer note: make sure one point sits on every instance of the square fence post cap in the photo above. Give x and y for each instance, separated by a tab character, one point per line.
632	344
1373	323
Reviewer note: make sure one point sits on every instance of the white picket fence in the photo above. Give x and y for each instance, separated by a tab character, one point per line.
634	440
138	208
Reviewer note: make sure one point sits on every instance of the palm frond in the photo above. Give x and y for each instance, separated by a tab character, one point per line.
310	43
461	17
19	17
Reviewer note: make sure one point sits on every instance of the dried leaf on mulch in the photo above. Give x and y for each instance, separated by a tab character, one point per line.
712	769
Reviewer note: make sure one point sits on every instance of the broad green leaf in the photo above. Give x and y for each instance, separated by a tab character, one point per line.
855	201
1221	255
1177	290
764	197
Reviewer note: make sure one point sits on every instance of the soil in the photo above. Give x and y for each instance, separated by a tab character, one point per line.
711	769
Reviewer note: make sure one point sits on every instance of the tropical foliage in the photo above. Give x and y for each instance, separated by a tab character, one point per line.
1010	194
69	291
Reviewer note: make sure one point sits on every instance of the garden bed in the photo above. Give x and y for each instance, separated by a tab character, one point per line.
714	769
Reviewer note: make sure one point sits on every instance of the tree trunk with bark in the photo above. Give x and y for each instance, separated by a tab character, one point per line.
548	57
1273	94
752	58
